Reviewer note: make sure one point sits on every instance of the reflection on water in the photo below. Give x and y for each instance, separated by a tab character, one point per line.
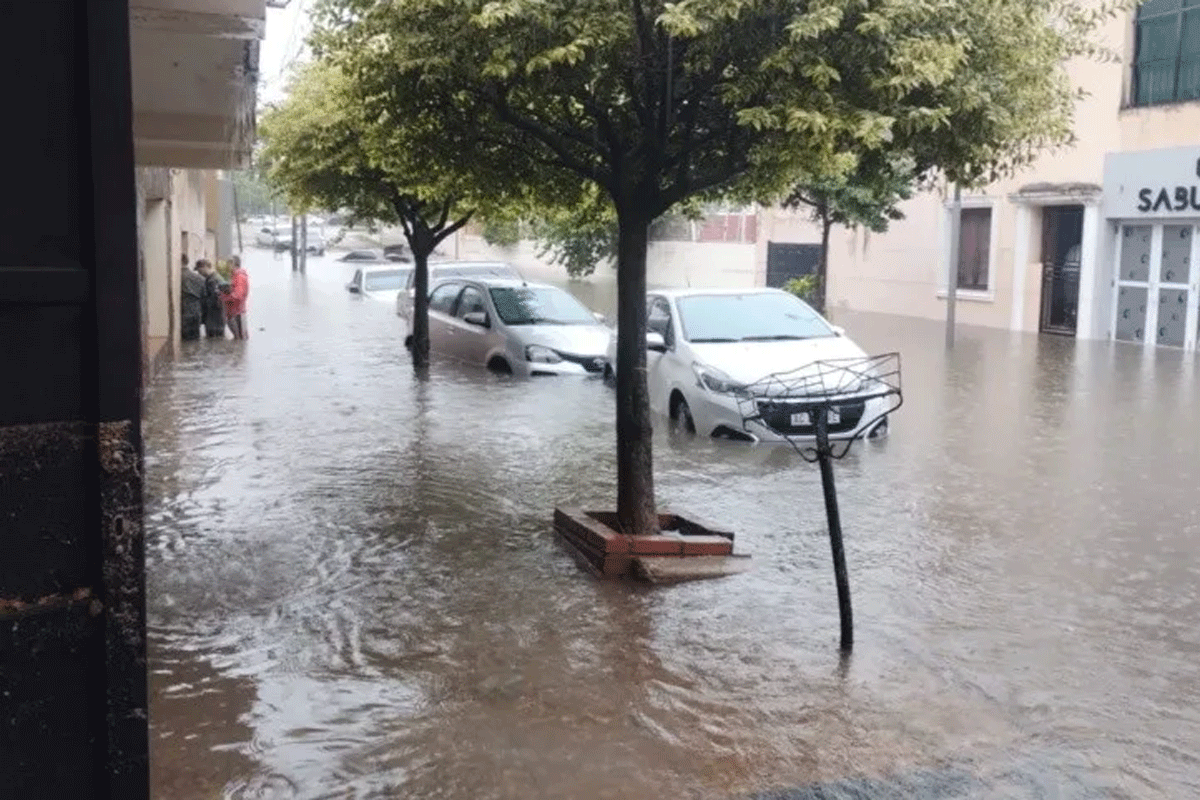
354	591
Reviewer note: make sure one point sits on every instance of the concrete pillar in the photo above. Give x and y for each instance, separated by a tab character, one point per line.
1020	266
1091	322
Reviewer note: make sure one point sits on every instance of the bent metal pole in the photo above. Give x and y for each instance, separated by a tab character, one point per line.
825	461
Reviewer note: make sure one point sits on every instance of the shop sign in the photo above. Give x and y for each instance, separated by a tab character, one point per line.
1153	184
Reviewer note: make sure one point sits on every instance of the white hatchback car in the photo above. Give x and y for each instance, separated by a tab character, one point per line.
706	345
514	327
379	282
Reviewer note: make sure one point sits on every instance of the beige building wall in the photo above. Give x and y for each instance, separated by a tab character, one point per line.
172	220
724	264
905	270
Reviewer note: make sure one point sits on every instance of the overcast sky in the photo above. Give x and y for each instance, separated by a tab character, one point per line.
283	46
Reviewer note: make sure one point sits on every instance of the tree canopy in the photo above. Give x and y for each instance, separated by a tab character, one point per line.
658	102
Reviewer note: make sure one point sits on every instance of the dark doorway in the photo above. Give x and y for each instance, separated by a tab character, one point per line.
1062	239
786	260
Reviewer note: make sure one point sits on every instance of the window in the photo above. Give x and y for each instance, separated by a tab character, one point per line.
540	305
1167	59
442	298
974	254
658	320
753	316
470	301
383	281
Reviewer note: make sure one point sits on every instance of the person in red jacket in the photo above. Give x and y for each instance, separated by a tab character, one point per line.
235	299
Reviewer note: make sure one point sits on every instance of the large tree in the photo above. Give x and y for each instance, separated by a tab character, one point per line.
656	102
323	148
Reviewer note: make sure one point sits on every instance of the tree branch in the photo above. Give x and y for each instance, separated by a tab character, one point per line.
403	211
552	139
444	215
445	232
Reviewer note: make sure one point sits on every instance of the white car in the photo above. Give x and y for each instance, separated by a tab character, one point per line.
514	327
378	282
452	269
705	346
279	238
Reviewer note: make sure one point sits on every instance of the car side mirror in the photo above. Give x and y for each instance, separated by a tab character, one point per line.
655	342
603	320
479	318
352	287
838	330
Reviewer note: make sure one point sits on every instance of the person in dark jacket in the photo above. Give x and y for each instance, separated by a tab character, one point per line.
213	306
191	301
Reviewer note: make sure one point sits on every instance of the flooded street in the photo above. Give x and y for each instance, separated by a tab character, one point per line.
354	589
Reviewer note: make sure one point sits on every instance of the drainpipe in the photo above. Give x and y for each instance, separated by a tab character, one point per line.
952	277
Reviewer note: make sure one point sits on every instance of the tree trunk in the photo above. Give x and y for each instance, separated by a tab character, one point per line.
823	263
420	312
635	463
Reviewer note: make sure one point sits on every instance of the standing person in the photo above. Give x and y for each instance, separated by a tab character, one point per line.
235	299
191	302
213	308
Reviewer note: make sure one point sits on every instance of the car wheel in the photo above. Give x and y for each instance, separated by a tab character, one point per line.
608	372
880	430
681	415
408	342
500	366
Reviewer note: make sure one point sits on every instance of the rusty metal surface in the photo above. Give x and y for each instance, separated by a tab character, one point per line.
49	745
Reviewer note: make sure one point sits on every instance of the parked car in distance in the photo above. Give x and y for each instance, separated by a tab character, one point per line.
453	269
706	345
397	252
369	256
378	283
514	327
279	238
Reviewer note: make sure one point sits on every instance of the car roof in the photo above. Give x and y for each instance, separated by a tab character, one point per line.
497	282
383	266
693	292
443	265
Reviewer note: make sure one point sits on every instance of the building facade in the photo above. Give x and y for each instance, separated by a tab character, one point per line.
1097	241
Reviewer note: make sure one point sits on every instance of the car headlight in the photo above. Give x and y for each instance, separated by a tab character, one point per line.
541	355
718	382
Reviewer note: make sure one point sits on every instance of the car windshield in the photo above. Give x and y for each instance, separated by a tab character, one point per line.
750	317
383	281
539	306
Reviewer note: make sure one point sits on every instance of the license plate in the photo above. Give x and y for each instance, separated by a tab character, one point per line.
802	418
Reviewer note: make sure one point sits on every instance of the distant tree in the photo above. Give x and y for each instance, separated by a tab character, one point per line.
580	237
502	232
656	102
869	196
253	193
323	150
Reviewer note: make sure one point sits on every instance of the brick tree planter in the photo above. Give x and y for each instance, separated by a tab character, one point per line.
685	549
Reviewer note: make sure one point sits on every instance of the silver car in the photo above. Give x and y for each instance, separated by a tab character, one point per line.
515	327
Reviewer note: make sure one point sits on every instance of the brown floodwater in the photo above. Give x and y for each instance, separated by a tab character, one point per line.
354	590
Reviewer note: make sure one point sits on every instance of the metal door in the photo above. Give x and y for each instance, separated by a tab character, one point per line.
787	260
73	719
1062	243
